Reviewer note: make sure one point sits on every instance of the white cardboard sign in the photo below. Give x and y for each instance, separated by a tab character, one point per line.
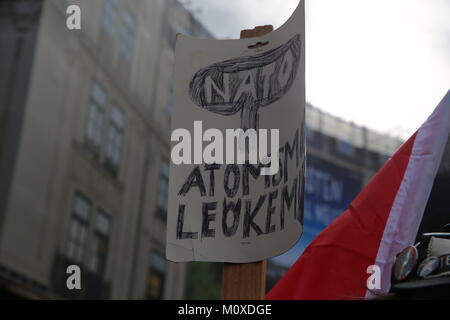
226	212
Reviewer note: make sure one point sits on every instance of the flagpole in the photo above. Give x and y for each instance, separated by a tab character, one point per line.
246	281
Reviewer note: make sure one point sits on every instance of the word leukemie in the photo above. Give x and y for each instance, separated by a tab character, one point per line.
282	195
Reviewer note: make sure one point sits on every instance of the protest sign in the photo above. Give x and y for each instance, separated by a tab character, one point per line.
223	208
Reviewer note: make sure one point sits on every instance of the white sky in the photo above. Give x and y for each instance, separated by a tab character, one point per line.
384	64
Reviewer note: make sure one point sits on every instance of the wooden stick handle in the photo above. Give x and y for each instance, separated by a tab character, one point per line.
246	281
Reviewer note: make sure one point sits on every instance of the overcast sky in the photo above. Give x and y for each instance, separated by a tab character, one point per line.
384	64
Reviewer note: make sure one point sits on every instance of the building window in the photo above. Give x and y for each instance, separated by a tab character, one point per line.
109	18
95	116
99	250
156	276
170	98
374	159
88	238
79	227
115	139
128	35
163	188
309	133
345	148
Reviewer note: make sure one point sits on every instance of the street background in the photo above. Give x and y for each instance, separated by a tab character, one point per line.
85	127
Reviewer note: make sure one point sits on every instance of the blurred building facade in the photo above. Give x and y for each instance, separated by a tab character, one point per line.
84	152
84	158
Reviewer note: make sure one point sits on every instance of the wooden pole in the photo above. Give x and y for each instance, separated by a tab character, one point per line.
246	281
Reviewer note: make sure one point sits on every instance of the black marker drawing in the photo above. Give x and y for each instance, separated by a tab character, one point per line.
247	83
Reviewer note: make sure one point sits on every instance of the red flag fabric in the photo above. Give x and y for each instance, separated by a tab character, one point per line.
382	220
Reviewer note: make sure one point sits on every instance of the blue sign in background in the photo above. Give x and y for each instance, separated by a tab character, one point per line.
329	190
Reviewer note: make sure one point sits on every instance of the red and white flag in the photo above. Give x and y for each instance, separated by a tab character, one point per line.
382	220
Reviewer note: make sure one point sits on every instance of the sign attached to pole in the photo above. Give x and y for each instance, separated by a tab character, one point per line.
238	146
